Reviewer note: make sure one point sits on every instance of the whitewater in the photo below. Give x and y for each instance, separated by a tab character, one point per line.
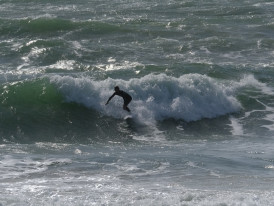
201	127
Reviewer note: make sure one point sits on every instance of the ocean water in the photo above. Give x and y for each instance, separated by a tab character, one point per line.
201	74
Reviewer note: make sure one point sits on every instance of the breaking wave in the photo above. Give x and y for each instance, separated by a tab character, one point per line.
155	97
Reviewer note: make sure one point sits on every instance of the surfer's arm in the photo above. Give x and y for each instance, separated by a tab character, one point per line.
111	97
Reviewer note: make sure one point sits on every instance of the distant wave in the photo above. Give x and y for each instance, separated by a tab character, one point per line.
52	25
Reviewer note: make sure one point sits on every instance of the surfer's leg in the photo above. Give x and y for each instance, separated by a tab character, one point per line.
126	102
126	108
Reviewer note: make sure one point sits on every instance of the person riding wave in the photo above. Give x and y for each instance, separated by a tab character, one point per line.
127	98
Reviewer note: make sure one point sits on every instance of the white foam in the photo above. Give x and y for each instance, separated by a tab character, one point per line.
237	127
13	167
250	80
110	191
269	166
155	97
63	64
34	53
113	65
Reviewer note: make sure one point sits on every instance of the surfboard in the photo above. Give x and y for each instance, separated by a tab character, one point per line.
128	117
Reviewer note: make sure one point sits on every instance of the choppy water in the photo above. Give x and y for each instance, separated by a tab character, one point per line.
201	77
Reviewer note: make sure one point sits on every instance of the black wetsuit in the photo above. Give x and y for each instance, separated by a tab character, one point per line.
127	98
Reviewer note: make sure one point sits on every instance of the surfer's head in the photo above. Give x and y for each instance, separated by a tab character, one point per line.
116	89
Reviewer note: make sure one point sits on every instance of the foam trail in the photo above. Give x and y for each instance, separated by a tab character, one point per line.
237	128
250	80
155	97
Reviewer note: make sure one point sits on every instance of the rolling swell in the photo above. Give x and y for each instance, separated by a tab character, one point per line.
54	26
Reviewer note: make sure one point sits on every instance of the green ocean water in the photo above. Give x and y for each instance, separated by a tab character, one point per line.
202	121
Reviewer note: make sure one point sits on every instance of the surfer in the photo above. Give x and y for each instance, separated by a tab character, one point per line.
127	98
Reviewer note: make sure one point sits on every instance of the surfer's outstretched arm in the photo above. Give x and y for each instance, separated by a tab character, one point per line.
111	97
